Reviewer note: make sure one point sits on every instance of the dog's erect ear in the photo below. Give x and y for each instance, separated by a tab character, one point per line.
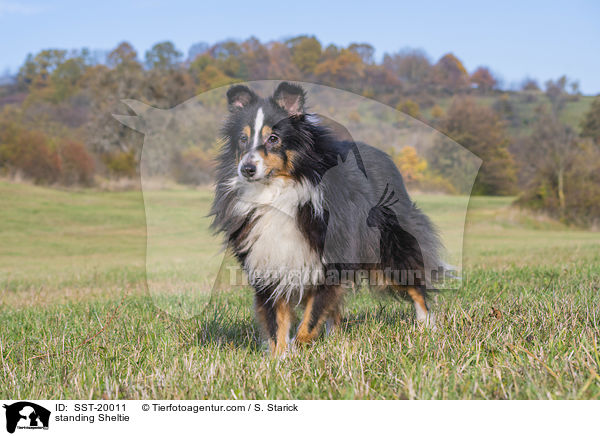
290	97
240	96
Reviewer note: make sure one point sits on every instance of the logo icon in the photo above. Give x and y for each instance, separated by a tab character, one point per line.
26	415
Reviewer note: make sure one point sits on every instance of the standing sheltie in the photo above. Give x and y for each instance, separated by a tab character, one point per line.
305	211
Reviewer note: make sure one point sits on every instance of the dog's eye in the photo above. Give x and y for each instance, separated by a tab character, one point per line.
243	139
273	139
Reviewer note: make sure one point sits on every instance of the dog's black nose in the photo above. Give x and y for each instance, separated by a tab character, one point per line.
248	170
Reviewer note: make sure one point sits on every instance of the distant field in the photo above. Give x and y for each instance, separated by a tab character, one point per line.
68	258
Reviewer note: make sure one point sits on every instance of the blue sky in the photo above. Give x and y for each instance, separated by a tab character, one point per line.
542	40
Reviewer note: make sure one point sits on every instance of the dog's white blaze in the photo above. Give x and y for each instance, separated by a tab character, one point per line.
278	253
252	156
258	125
261	170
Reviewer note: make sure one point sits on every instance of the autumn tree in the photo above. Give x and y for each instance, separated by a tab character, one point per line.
37	69
560	172
437	112
557	93
582	186
228	56
169	89
450	74
52	75
345	70
123	56
506	109
330	52
163	56
365	51
409	107
479	130
209	77
167	83
28	152
256	58
66	77
483	79
381	83
77	165
197	49
9	131
529	84
411	165
106	86
412	66
590	124
549	153
281	65
306	52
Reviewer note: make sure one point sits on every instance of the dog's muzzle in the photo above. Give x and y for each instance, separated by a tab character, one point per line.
251	167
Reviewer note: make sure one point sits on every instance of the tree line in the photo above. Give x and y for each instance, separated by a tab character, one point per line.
56	125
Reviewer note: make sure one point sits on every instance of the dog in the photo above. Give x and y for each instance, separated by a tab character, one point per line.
301	207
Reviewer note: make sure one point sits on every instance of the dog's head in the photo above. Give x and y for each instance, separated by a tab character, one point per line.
266	134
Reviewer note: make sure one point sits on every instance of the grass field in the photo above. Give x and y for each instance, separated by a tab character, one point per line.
72	263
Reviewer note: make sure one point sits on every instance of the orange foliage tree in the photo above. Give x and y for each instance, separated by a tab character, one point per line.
450	74
411	165
483	79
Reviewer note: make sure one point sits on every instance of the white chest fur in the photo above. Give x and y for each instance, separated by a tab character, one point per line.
278	253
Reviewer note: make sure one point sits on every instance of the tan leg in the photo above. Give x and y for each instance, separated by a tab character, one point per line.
283	313
275	319
319	306
333	321
418	297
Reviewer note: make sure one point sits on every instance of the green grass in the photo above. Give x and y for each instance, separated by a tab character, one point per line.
67	259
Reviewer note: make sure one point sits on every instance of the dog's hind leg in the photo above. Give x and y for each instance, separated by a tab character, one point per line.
334	320
418	297
320	305
275	318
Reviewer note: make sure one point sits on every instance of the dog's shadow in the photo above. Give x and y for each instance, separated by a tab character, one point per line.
388	315
223	331
220	330
238	334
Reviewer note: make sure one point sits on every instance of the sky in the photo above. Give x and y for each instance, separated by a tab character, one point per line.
542	40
